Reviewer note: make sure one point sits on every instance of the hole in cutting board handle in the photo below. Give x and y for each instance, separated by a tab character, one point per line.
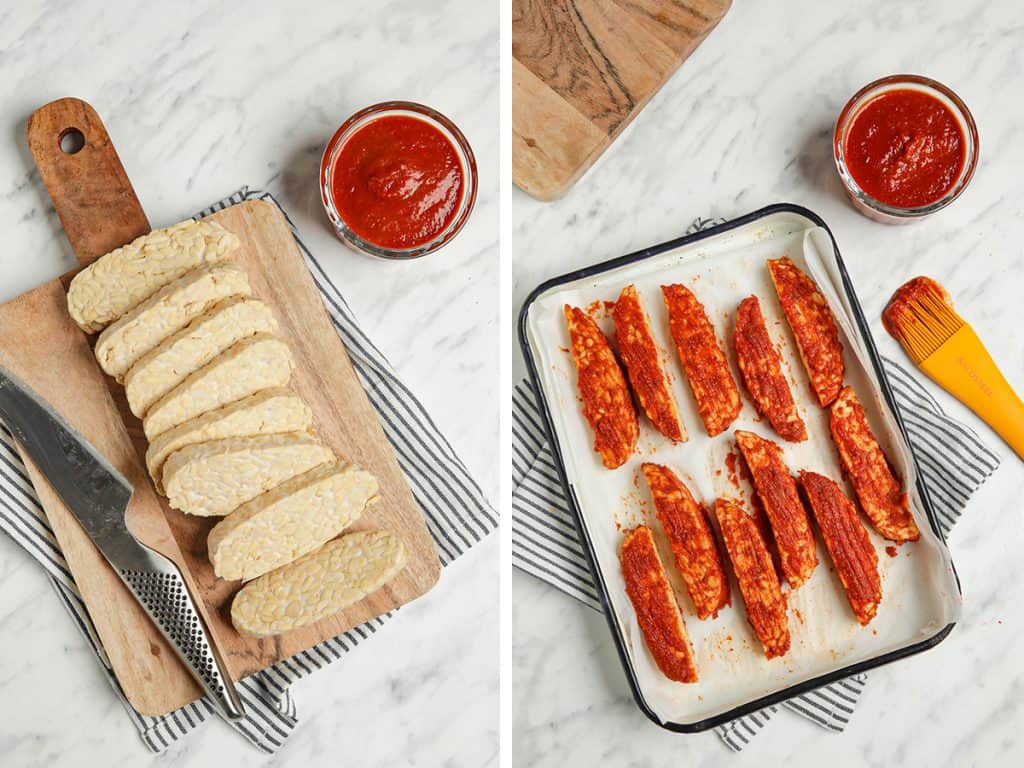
71	141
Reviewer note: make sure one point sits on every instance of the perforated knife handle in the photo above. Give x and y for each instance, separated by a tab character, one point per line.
162	592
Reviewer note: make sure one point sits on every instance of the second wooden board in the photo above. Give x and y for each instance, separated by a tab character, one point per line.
583	69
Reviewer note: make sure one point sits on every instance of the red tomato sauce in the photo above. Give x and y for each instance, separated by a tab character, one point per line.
397	182
905	148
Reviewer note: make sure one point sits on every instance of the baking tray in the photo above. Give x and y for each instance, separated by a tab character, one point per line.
921	592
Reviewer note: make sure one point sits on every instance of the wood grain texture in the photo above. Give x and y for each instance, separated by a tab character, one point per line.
595	64
42	345
97	204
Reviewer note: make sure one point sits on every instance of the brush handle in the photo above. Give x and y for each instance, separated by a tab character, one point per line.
963	367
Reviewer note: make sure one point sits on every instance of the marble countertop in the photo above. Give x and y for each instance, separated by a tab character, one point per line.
201	98
747	122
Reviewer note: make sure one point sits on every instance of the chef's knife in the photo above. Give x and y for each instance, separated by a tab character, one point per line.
98	495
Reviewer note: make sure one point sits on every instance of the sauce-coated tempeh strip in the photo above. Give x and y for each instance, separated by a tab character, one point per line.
639	352
692	540
718	399
848	544
759	584
878	491
777	491
813	326
762	372
656	611
607	404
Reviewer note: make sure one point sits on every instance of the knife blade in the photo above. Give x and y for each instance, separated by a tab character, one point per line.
97	494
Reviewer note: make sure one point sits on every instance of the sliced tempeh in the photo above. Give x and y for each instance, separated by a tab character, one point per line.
689	535
880	494
761	367
213	478
776	488
161	369
604	394
642	357
319	585
290	520
256	363
166	312
813	326
756	577
848	544
718	398
657	613
269	411
124	278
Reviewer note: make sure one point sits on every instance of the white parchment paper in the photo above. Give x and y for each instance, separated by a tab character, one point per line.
919	589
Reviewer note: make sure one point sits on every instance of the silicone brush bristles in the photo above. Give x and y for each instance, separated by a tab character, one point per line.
921	318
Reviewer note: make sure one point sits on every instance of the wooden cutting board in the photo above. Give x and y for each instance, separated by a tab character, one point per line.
583	69
40	343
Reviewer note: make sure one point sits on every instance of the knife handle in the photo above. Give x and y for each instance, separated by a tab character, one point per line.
163	594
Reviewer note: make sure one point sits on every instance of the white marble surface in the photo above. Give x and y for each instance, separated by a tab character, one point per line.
748	122
200	98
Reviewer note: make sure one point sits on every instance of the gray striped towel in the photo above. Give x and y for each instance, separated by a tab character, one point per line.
953	461
458	516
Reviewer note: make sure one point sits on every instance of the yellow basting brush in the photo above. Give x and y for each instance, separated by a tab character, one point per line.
920	316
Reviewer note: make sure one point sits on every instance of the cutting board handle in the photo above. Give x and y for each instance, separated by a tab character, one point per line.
84	176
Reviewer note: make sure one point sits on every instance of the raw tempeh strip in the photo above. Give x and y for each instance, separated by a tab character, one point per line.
289	521
211	479
256	363
165	313
777	491
758	582
813	326
121	280
268	411
642	359
655	605
762	372
718	399
878	491
339	574
848	544
692	540
607	404
216	330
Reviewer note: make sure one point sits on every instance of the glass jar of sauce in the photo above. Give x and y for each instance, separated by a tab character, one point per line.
398	180
905	146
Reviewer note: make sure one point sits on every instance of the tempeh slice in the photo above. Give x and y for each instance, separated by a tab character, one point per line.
692	540
777	491
122	279
318	585
288	521
762	372
848	544
878	491
813	326
256	363
758	582
642	359
268	411
165	313
718	398
607	404
657	614
216	330
210	479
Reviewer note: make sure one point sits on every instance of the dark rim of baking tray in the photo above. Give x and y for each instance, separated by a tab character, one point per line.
620	643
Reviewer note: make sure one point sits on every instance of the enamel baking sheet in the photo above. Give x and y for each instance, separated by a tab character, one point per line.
920	594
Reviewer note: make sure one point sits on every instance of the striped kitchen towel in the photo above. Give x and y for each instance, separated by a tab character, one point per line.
953	460
458	516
